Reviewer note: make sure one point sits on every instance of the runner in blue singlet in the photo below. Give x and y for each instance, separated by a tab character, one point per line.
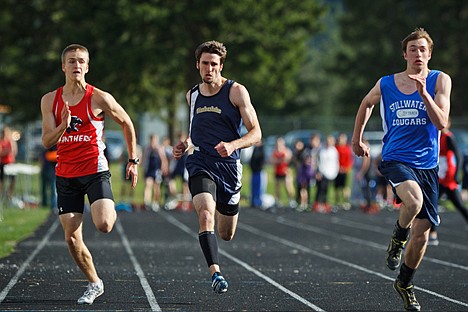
414	106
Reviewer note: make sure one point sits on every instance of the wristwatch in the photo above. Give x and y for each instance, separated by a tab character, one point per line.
135	161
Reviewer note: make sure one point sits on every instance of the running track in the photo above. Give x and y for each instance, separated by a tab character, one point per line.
278	261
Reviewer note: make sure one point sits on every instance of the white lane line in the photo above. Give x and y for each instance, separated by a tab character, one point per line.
26	263
286	242
381	230
139	272
353	239
187	230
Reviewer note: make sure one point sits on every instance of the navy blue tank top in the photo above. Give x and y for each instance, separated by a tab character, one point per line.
214	119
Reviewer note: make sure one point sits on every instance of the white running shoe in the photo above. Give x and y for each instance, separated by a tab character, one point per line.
92	292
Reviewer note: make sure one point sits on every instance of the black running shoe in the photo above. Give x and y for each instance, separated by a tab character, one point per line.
394	251
407	294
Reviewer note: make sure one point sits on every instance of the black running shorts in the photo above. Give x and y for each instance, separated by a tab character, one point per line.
71	191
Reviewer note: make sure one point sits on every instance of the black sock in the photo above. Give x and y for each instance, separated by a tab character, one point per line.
401	233
209	246
406	275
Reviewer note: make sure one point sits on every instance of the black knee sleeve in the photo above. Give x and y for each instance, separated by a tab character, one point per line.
202	183
209	246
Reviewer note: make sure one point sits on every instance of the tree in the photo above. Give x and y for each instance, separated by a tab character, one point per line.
371	43
143	51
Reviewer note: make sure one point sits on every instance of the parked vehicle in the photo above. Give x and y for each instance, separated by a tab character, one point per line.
303	135
461	136
115	144
375	142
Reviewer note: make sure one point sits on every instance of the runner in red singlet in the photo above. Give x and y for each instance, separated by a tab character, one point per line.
73	118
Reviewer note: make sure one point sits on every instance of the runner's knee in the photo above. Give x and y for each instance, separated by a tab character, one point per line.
105	226
226	235
73	240
206	219
413	206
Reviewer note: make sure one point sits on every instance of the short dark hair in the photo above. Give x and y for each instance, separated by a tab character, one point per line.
74	47
418	33
213	47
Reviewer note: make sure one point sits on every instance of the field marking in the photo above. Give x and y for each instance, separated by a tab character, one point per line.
305	249
352	239
139	272
245	265
26	263
361	241
381	230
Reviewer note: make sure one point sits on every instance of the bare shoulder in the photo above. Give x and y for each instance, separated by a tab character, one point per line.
239	95
443	84
444	78
102	98
238	88
100	94
187	96
376	89
48	98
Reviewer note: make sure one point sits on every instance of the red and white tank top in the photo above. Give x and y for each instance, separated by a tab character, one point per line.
80	150
8	157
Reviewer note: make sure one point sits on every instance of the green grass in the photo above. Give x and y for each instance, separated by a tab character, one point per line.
18	224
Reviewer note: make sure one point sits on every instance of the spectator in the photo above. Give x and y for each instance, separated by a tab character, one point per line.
328	166
280	160
182	199
8	151
48	161
345	155
383	190
308	170
126	192
360	189
450	159
465	178
167	177
297	162
259	180
154	164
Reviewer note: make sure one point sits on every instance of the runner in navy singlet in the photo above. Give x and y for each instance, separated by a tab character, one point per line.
218	107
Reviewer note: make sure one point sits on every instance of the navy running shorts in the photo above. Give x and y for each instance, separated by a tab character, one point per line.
71	191
226	173
396	172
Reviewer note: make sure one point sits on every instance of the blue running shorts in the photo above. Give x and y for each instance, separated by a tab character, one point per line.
226	173
396	172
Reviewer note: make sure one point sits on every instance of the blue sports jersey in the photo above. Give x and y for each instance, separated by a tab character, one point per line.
410	136
214	119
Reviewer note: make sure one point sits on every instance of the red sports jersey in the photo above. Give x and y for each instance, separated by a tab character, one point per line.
281	168
345	154
80	150
7	156
447	162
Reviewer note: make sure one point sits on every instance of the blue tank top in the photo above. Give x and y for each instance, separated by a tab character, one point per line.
410	136
214	119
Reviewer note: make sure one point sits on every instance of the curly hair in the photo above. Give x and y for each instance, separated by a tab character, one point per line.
213	47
